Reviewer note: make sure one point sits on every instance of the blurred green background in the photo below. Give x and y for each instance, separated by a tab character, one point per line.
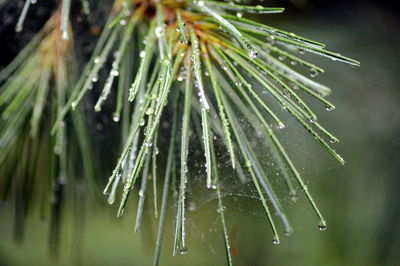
360	200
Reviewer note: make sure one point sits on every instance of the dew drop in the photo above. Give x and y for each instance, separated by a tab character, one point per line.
127	186
57	150
313	119
313	73
253	54
333	141
192	206
238	83
142	54
239	14
329	107
116	117
122	22
158	31
110	200
65	35
294	199
275	241
141	193
149	111
280	126
288	232
322	225
184	250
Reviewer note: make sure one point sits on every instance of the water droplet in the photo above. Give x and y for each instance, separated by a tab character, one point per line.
253	54
293	63
184	250
200	3
238	83
313	119
281	57
141	193
275	240
329	107
313	73
141	122
288	232
122	22
192	206
322	225
294	86
57	150
142	54
111	200
95	79
294	199
159	31
127	186
280	126
333	140
239	14
222	209
149	111
97	60
116	117
114	73
287	93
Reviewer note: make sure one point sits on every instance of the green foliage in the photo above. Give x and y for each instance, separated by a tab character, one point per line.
227	63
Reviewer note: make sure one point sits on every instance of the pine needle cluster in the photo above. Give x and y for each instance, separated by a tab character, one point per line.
197	66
